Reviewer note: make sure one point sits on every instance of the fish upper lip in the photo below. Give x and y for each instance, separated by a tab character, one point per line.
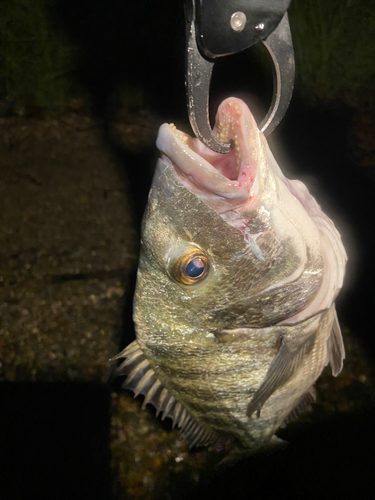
227	175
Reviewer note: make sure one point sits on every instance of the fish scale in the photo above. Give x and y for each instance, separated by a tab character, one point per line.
208	400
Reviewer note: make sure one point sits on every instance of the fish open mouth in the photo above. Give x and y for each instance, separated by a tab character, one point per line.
231	176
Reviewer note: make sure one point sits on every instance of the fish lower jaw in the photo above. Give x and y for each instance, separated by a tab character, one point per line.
230	176
235	123
228	129
181	136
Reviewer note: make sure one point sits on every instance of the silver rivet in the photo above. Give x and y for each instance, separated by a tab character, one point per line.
259	26
238	21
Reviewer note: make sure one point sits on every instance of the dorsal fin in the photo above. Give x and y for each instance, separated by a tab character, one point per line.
141	379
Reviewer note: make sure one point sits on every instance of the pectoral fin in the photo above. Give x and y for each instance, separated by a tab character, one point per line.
284	365
303	406
335	346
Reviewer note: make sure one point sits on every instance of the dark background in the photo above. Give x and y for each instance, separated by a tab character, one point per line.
116	45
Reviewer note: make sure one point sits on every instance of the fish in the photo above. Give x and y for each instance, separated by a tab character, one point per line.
234	306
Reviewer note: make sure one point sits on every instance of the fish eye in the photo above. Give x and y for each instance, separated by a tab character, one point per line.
190	266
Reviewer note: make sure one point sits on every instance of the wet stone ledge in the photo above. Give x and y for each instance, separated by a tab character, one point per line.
68	246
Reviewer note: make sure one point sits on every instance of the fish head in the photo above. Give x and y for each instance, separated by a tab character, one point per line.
227	242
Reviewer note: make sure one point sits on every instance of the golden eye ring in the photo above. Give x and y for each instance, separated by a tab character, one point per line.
190	266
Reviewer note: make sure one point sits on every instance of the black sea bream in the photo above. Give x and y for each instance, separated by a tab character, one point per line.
238	274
